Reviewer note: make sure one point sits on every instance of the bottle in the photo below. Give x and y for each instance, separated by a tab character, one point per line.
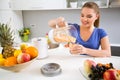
48	40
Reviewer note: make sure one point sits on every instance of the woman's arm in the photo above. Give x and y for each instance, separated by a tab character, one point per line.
105	50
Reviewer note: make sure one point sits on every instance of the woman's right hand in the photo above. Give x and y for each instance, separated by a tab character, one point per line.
60	22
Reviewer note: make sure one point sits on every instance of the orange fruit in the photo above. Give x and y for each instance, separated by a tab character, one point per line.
118	71
2	60
10	61
32	51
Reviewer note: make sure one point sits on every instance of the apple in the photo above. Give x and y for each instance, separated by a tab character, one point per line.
23	57
87	66
111	74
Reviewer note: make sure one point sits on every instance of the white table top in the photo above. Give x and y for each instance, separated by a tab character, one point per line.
70	65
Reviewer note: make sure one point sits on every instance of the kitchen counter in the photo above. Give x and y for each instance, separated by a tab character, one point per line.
70	65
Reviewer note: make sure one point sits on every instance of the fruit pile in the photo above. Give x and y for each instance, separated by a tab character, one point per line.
10	56
24	54
98	71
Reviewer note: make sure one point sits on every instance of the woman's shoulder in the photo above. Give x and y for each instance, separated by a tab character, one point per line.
101	32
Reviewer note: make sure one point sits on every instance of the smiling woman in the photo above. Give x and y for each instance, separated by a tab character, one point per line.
90	37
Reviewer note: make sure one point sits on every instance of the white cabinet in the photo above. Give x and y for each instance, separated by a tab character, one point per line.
4	4
37	4
25	4
54	4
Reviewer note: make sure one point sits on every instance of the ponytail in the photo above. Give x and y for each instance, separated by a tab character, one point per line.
96	23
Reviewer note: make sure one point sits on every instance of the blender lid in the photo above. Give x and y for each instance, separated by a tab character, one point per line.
51	69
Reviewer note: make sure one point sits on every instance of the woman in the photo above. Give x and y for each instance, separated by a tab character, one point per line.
90	36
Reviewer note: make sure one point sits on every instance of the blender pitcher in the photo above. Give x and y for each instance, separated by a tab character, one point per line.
63	34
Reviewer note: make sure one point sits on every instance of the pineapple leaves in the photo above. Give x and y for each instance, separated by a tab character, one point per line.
6	35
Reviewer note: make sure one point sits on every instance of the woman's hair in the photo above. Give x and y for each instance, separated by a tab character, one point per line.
94	6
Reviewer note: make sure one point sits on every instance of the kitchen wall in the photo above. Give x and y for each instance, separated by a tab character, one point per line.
15	20
38	21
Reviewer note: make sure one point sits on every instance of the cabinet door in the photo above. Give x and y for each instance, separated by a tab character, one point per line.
54	4
37	4
4	4
21	4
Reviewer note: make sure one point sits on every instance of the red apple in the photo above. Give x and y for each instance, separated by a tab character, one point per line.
111	74
24	57
87	66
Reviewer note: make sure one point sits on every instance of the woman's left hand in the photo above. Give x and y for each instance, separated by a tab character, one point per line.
77	49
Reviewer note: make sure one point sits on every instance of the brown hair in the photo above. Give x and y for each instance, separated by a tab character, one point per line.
94	6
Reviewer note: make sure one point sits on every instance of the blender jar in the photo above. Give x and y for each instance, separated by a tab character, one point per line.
63	34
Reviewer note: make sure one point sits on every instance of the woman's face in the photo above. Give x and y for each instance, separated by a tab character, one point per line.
88	17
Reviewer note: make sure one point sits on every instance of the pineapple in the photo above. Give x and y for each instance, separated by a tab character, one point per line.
6	40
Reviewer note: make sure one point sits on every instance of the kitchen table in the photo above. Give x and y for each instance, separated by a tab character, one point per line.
70	65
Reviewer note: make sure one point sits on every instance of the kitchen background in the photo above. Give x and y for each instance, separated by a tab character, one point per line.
37	18
110	21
